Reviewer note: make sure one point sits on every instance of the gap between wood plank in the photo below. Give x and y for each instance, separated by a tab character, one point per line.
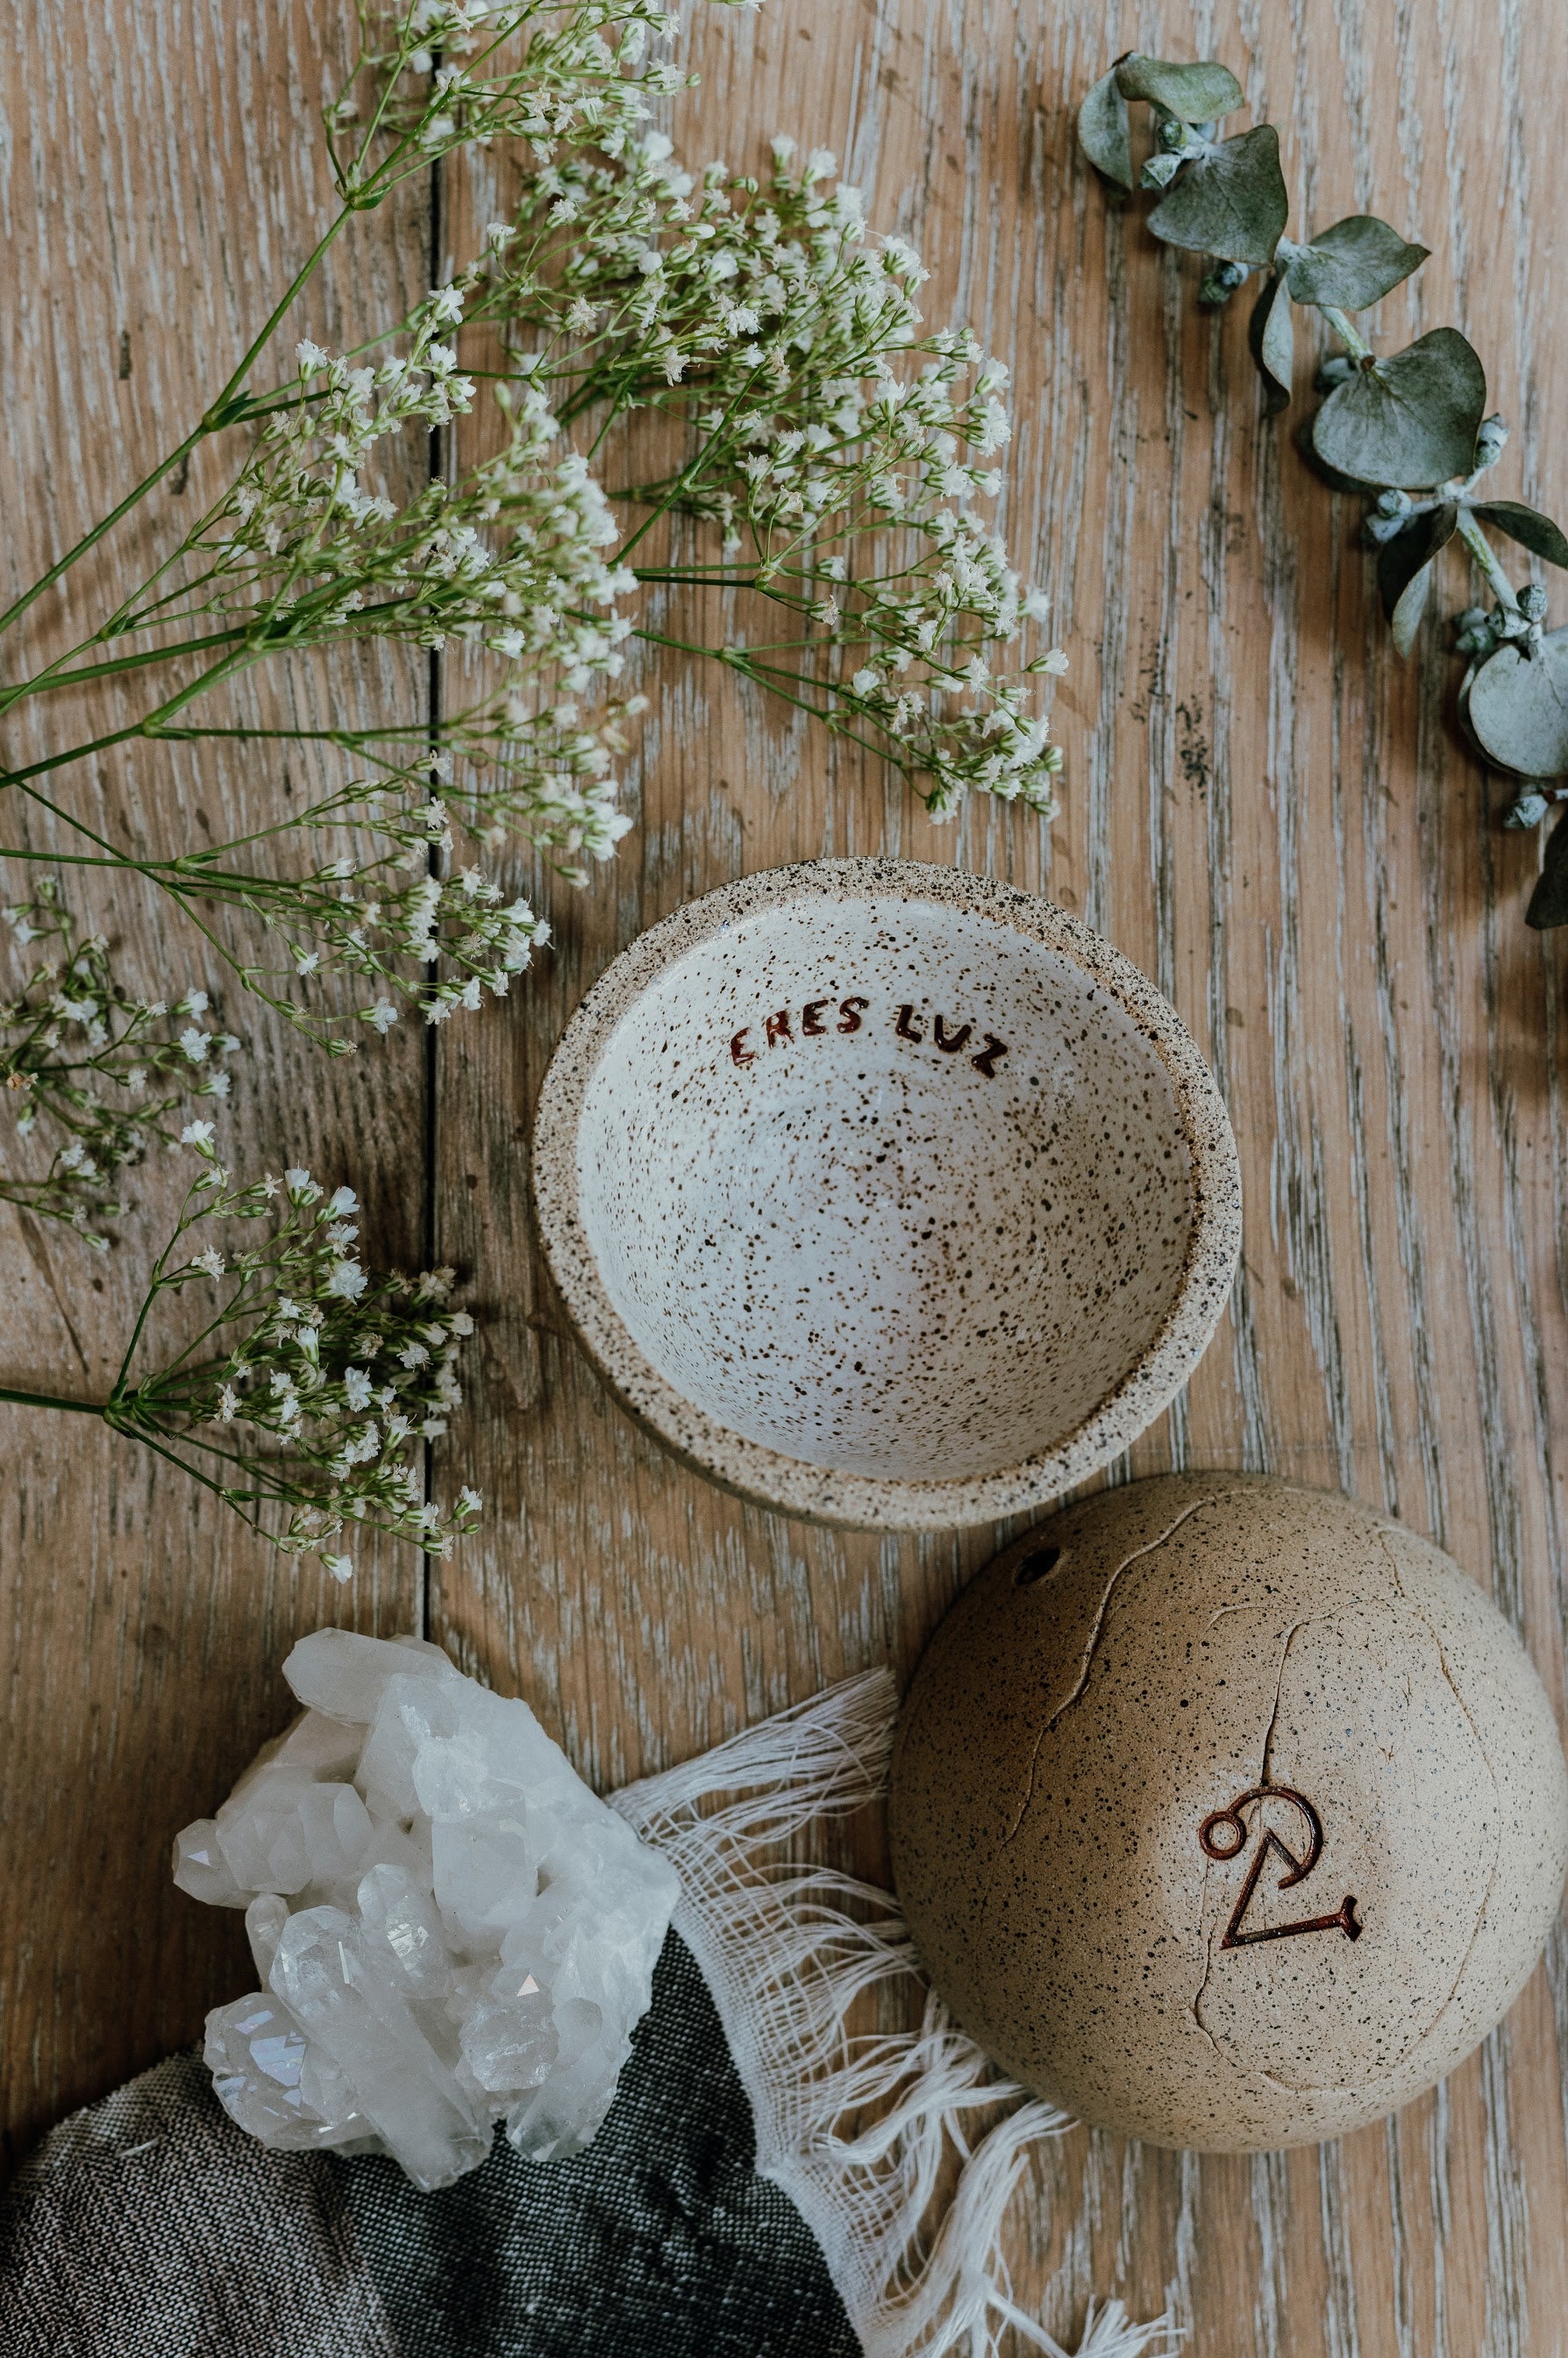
434	683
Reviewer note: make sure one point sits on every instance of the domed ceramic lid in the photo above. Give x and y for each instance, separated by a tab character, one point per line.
1228	1813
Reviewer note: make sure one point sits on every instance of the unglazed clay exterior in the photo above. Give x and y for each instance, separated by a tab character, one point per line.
884	1193
1227	1814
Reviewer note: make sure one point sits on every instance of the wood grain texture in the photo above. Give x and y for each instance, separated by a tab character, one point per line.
160	179
1264	808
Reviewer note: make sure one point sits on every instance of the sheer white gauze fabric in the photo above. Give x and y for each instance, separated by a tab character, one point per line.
786	1949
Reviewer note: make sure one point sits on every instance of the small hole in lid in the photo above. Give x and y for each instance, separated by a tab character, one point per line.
1035	1565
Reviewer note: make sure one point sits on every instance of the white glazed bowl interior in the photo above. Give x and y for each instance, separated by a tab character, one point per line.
891	1197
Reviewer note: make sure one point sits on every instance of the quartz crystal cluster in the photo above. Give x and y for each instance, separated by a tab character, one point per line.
449	1927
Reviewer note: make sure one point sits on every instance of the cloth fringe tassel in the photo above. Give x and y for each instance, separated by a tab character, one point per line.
786	1950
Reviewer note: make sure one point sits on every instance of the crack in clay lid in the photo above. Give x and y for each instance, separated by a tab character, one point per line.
1227	1814
884	1194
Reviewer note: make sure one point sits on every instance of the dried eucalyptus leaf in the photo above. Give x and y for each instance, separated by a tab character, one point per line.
1532	531
1406	560
1518	709
1408	608
1549	902
1231	203
1103	134
1352	264
1307	452
1161	168
1409	422
1273	342
1193	94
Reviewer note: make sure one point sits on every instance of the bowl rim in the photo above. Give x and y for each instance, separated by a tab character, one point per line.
825	1494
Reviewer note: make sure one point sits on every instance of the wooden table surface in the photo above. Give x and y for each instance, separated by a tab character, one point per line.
1261	806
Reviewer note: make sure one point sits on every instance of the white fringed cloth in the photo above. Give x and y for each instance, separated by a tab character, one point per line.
808	2190
918	2257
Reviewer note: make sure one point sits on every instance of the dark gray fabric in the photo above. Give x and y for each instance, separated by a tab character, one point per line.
149	2226
660	2241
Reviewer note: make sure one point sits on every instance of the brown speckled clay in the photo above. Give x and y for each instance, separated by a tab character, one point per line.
884	1193
1227	1814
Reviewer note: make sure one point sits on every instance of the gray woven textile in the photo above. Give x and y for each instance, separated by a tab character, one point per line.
149	2226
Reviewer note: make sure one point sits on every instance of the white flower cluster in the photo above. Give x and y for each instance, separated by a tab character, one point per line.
384	908
321	1378
545	774
838	450
379	914
448	73
100	1074
305	551
841	454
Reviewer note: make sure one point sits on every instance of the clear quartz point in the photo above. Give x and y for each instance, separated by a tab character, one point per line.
450	1928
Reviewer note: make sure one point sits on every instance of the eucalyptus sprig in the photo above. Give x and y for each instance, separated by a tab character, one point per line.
303	1396
1409	430
91	1072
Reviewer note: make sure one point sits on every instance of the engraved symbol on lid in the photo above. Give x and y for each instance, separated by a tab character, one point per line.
1223	1836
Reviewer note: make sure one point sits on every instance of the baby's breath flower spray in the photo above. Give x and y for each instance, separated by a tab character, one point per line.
93	1076
759	353
308	1383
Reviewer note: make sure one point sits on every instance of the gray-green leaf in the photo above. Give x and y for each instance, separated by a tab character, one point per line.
1272	342
1409	422
1161	168
1404	570
1193	94
1408	608
1103	134
1549	902
1352	264
1518	707
1231	203
1534	532
1307	450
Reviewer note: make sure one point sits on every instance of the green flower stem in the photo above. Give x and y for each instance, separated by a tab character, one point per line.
155	1287
133	1432
716	446
793	603
66	818
163	1387
72	754
777	685
133	498
1349	335
696	577
218	413
67	859
50	1400
196	866
1468	530
45	682
150	725
17	691
352	741
172	876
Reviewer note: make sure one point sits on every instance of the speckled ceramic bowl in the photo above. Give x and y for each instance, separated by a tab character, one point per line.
885	1195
